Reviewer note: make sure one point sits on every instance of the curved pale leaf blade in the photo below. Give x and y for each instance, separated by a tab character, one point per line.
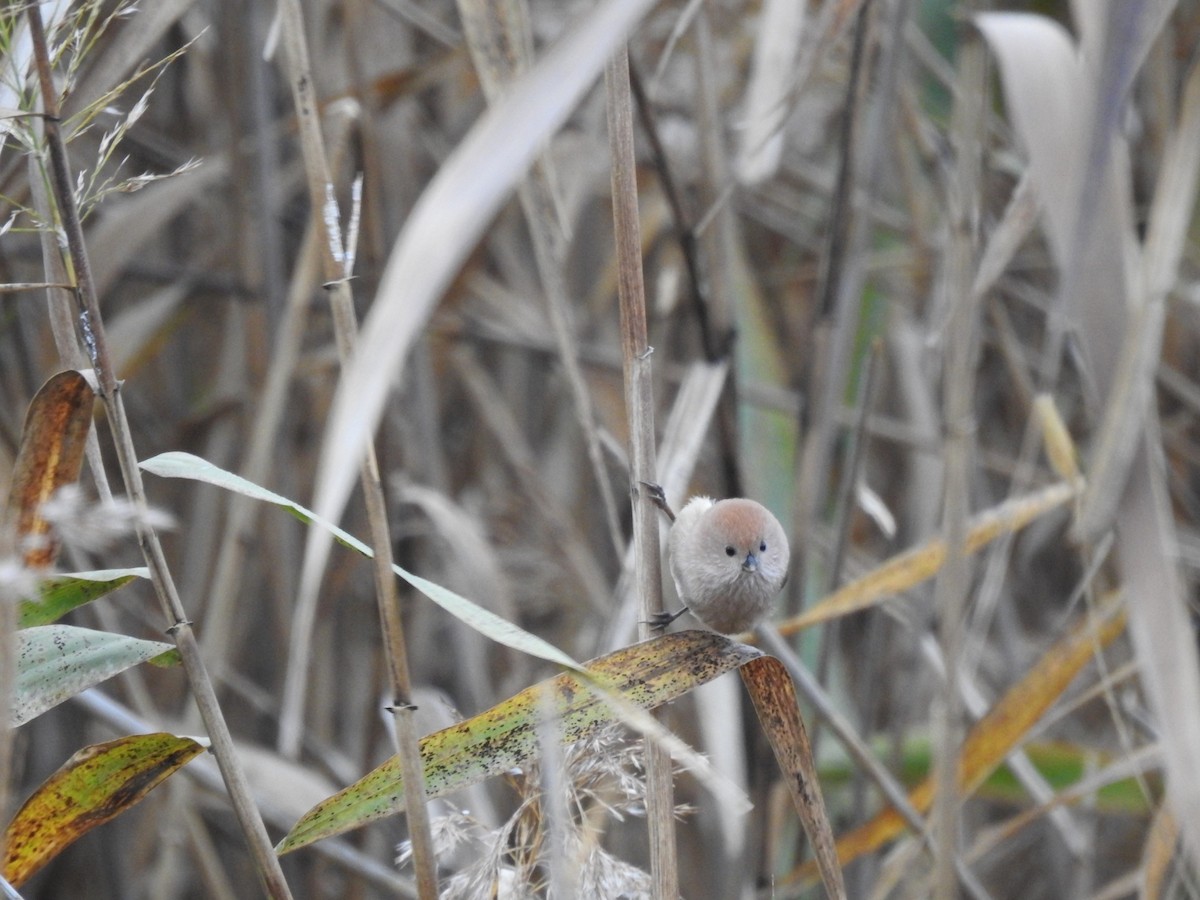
51	454
60	594
1046	87
56	662
646	675
185	465
94	786
446	223
769	94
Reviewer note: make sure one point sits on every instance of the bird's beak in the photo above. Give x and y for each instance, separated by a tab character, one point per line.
750	563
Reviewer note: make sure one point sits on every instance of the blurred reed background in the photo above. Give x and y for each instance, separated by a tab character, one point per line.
872	239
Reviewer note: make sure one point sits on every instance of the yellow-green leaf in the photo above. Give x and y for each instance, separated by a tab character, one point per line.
59	595
646	674
94	786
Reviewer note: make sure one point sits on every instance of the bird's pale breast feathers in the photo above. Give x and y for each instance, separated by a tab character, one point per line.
728	560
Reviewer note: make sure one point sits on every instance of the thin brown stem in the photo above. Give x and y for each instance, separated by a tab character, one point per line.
715	347
639	401
91	328
333	257
953	581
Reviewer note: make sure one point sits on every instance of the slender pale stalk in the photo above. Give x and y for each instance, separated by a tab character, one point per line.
639	402
953	581
8	676
337	275
841	285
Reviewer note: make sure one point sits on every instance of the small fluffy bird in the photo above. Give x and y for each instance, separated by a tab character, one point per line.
729	558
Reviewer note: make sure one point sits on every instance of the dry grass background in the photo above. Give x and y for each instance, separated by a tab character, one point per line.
876	229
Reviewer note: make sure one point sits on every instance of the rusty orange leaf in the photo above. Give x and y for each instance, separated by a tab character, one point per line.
51	454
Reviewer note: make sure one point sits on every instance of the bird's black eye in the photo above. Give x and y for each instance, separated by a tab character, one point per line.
730	551
762	548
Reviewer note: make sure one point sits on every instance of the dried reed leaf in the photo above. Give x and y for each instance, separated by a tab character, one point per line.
1052	95
995	735
94	786
647	674
1044	84
909	569
774	698
52	446
1160	624
768	99
1170	214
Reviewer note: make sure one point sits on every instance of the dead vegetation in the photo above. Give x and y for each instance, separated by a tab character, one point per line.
906	267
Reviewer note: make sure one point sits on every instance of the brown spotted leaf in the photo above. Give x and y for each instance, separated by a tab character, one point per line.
56	662
774	698
51	454
646	675
94	786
